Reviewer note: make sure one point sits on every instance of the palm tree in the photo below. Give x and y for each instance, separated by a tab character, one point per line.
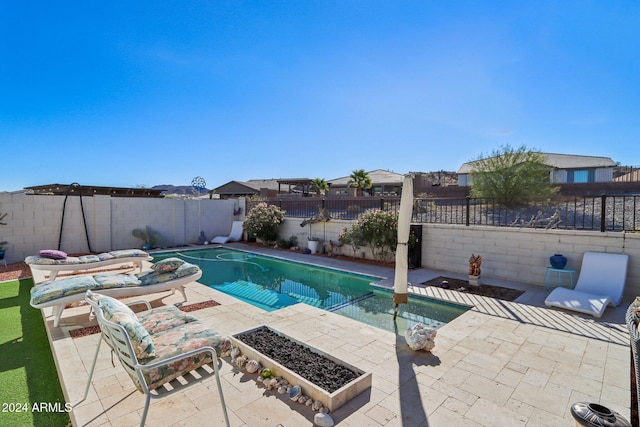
359	179
319	185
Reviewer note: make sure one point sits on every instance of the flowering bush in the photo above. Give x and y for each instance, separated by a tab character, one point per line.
376	229
263	222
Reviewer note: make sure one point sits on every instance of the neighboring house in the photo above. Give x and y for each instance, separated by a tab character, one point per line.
384	183
263	187
566	169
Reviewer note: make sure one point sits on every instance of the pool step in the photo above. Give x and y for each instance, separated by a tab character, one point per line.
307	300
352	301
248	291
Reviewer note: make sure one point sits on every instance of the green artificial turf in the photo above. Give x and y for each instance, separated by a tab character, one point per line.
30	393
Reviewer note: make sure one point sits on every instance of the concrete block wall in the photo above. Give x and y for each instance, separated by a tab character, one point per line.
520	254
33	222
515	254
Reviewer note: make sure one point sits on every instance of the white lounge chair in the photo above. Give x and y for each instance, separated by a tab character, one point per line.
159	347
59	293
86	262
234	235
600	284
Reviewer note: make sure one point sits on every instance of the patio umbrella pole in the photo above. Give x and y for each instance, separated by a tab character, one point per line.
402	250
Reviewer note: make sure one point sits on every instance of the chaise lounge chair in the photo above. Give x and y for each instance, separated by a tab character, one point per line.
56	261
158	347
600	284
165	275
234	235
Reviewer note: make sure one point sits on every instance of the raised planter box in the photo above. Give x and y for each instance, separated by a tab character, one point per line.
331	401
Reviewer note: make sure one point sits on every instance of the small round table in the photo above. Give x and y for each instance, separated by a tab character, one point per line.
555	277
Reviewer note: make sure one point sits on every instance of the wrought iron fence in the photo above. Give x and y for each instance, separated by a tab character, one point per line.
602	213
338	207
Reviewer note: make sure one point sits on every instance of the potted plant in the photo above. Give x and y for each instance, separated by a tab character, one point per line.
313	244
474	269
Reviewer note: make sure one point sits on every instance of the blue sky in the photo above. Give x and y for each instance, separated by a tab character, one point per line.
148	93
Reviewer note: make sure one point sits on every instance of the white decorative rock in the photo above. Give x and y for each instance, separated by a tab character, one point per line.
323	420
252	366
420	337
235	352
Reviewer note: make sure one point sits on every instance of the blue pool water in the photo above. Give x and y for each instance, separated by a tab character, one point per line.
273	283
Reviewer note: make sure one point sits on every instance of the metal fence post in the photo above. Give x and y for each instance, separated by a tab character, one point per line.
603	211
382	203
468	210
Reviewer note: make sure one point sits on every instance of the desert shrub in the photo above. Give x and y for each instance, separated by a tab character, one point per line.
289	243
350	236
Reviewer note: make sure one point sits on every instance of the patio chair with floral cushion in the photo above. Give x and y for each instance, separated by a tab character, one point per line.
158	346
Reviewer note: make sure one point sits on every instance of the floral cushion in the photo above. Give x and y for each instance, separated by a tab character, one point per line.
117	312
164	318
127	253
167	265
107	281
49	257
153	277
180	340
54	289
105	256
34	259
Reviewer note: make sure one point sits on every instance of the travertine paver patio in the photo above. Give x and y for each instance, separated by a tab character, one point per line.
499	364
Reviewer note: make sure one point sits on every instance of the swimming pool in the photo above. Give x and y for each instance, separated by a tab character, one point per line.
273	283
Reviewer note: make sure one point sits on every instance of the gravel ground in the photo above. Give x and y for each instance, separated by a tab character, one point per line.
18	270
316	368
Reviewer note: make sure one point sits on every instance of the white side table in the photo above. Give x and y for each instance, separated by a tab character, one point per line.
555	277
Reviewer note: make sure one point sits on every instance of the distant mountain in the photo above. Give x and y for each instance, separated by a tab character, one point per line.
183	190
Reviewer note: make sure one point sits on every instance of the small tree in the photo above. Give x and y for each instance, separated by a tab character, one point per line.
319	185
515	176
360	180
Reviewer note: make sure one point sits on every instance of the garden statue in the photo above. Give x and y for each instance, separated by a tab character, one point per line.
202	239
474	270
474	265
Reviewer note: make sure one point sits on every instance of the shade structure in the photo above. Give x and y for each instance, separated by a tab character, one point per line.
402	250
